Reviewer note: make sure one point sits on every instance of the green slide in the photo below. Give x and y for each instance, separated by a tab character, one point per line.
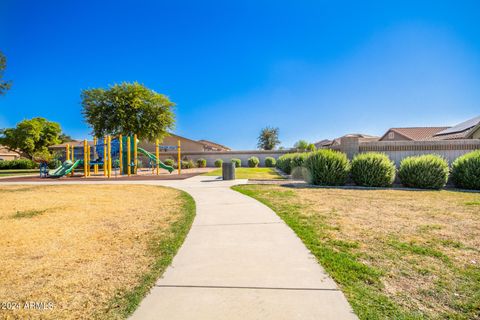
155	160
64	169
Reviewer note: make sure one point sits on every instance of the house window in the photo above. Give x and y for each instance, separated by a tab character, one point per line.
391	135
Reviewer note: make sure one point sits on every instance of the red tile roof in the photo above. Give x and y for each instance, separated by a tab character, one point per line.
416	133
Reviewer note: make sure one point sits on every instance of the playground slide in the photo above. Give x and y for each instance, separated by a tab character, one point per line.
64	169
155	160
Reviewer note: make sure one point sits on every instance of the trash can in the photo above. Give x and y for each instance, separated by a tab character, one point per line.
228	171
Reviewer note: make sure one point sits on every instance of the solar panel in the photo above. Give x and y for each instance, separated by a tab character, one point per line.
461	127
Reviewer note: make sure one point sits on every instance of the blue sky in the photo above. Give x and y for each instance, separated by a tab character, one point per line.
315	69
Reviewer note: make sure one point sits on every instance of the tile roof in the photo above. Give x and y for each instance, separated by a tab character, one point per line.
416	133
214	145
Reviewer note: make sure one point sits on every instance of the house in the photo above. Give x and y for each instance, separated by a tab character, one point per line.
212	146
325	143
469	129
337	141
361	138
411	133
187	145
6	154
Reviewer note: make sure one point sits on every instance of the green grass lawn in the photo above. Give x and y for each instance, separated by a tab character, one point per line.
395	254
18	172
250	173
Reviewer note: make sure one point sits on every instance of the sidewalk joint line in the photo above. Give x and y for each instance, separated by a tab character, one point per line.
241	287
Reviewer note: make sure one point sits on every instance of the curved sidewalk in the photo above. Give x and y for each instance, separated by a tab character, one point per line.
240	261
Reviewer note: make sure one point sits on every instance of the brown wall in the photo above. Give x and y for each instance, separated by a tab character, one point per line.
397	150
226	156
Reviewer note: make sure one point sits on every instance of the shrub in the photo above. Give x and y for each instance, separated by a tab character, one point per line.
372	170
55	163
238	162
188	164
466	171
270	162
169	162
201	163
427	172
283	163
327	167
18	164
298	159
253	162
218	163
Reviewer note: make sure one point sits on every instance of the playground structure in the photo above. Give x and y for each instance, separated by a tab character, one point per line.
118	153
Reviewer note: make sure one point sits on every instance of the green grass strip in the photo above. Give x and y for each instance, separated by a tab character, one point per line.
164	248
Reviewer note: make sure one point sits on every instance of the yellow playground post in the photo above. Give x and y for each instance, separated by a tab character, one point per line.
67	152
135	156
109	148
88	160
157	154
85	161
128	156
105	163
95	166
73	159
120	151
179	162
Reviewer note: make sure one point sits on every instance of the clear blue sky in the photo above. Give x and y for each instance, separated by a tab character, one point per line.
315	69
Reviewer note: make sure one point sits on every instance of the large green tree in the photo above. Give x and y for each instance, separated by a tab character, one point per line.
4	85
31	137
268	138
128	108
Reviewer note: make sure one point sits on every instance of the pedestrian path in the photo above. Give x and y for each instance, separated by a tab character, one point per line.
240	261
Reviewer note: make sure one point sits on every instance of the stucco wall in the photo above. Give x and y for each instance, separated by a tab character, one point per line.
398	150
211	156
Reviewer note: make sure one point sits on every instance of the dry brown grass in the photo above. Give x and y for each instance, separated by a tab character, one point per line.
83	244
424	245
439	225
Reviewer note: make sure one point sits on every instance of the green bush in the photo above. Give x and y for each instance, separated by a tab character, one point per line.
188	164
327	167
18	164
427	172
372	170
298	160
270	162
169	162
238	162
201	163
55	163
218	163
253	162
466	171
283	163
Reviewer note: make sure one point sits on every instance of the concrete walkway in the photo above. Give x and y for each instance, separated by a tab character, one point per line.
239	261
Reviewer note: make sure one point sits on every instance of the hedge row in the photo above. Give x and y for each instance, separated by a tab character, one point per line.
252	162
18	164
328	167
